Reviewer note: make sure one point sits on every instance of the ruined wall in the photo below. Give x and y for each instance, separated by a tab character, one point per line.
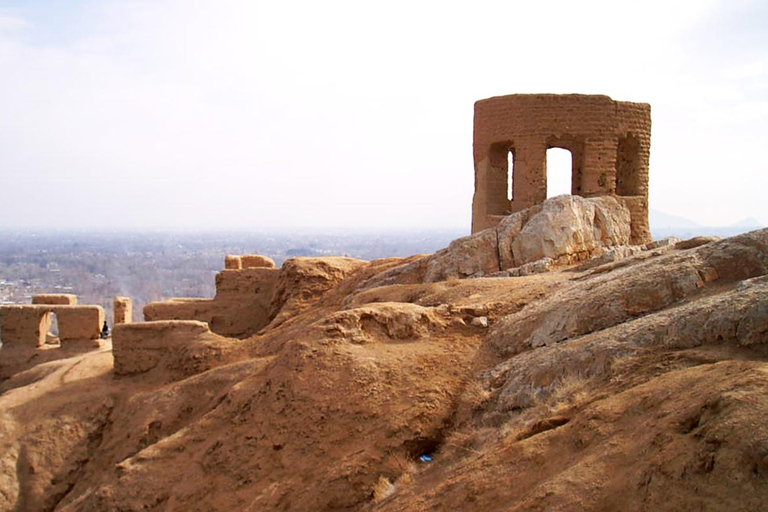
123	311
27	325
175	348
237	262
23	326
64	299
244	292
233	262
181	308
609	142
79	323
256	261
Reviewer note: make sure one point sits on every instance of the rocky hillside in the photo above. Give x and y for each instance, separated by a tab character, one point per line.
541	365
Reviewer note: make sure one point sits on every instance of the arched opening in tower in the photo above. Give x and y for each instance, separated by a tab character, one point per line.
628	176
511	174
559	172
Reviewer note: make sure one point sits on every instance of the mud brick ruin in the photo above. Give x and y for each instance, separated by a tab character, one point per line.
123	310
27	326
609	142
244	292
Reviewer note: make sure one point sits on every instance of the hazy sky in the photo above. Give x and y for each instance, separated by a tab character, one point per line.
249	114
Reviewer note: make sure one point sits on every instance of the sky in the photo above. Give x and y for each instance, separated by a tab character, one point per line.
238	114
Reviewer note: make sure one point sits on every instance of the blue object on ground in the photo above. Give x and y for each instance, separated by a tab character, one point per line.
425	458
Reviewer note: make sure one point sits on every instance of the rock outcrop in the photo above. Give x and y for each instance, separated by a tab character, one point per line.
304	280
561	231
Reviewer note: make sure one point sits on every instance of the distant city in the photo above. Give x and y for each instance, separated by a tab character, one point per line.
154	266
98	266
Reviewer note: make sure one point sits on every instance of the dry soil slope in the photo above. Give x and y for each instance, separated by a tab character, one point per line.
637	385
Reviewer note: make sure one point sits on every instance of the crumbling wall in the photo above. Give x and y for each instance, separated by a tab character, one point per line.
23	326
79	323
181	308
256	261
63	299
233	262
27	325
122	308
237	262
609	142
175	348
244	292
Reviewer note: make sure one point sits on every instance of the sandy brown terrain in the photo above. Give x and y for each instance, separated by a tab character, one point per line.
639	383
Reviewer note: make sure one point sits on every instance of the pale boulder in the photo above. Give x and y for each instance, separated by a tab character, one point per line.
475	255
561	231
567	229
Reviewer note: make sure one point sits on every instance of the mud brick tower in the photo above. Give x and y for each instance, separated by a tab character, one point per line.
609	143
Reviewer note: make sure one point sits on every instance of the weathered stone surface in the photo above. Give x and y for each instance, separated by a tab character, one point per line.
664	242
738	317
739	257
695	242
477	254
562	230
65	299
409	271
384	322
122	310
602	300
616	254
304	280
567	229
240	284
534	267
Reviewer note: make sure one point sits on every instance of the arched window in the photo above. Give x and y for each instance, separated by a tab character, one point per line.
628	179
559	172
511	174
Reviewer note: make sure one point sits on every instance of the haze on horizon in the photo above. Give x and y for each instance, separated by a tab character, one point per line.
238	114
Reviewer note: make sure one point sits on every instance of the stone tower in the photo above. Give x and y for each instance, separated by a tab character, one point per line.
609	143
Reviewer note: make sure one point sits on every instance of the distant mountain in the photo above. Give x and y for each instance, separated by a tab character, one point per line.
664	225
661	220
749	222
